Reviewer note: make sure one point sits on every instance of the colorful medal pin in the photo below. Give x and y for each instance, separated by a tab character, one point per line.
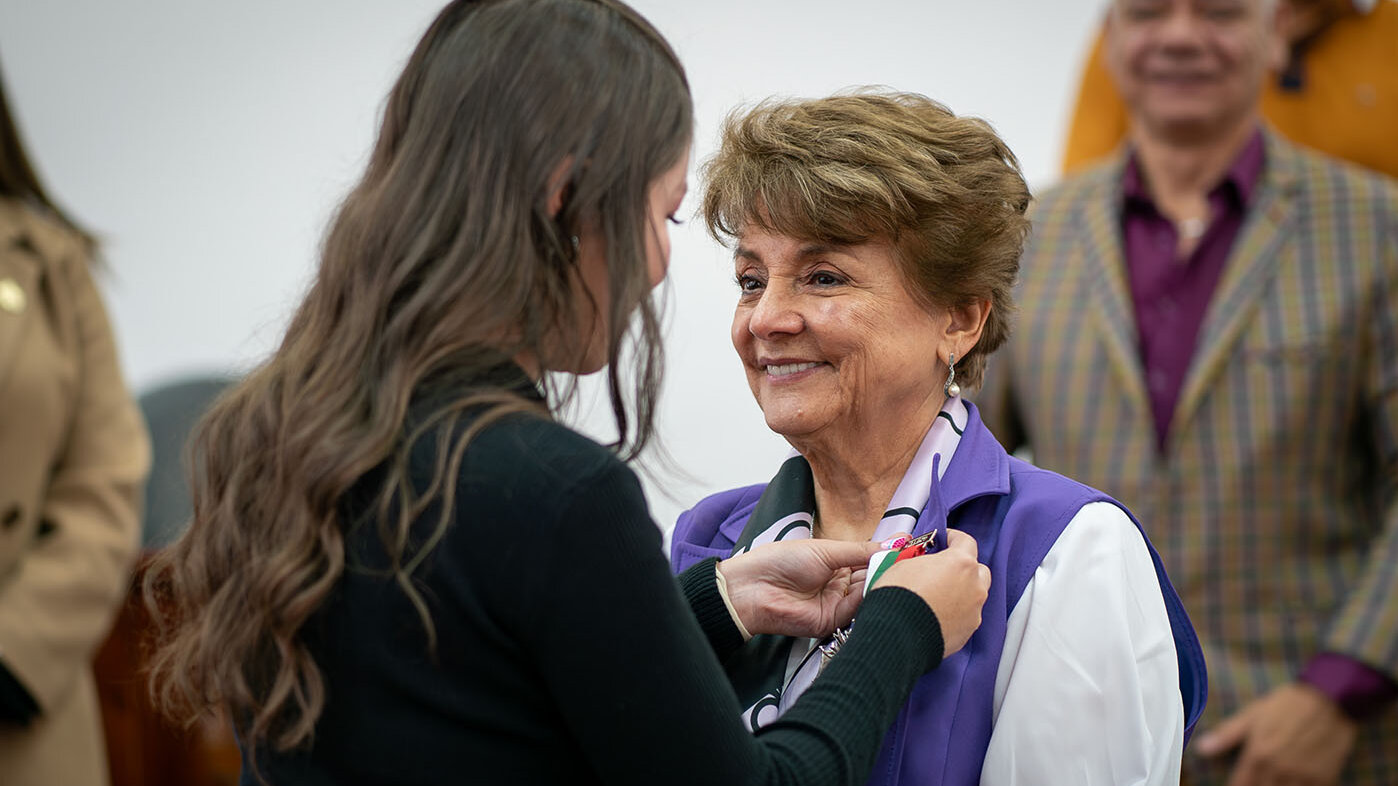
901	549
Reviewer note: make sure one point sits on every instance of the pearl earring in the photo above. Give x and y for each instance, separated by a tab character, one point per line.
951	389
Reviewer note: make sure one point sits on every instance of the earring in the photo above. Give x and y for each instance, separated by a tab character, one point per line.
951	389
574	238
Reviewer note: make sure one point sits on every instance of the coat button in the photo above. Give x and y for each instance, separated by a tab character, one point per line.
12	299
10	518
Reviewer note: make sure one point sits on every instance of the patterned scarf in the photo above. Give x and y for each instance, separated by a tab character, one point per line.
770	672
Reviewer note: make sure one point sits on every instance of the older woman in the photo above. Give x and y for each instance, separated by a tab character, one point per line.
876	241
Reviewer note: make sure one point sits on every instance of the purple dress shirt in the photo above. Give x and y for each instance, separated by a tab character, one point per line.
1171	295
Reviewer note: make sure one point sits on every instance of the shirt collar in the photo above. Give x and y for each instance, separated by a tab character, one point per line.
981	467
1241	179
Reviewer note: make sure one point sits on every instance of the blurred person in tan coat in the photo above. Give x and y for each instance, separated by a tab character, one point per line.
73	460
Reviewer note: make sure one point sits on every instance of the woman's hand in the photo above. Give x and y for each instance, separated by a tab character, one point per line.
797	588
952	582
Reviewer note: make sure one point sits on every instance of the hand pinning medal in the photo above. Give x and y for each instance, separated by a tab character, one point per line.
898	549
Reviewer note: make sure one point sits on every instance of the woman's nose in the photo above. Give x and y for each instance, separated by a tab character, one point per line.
775	313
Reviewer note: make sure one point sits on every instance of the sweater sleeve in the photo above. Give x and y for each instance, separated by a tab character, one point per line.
699	584
642	691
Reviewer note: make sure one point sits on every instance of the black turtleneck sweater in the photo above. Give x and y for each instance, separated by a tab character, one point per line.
566	652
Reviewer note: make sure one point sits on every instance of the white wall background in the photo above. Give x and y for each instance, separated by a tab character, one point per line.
208	142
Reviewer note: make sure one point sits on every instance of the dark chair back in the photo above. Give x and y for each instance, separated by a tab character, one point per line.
171	411
143	749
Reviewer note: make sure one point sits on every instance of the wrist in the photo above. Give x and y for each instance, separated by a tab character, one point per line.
1358	690
896	617
723	592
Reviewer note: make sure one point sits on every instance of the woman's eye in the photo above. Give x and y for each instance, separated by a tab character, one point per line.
748	283
823	279
671	218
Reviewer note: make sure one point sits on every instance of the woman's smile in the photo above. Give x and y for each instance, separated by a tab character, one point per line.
789	370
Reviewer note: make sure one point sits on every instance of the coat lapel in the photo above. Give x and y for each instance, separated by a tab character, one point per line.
1251	265
1107	288
19	279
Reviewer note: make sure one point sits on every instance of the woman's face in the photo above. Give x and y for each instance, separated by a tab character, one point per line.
830	337
666	193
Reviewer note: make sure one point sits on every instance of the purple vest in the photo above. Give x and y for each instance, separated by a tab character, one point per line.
1016	513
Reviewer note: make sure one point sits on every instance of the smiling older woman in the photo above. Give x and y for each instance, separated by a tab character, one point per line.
876	243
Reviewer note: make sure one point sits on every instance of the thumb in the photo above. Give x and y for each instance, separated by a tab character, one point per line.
1227	735
845	554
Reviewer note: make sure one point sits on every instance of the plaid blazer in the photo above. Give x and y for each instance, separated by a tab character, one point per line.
1275	501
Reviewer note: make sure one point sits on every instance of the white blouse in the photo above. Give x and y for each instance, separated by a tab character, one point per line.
1088	687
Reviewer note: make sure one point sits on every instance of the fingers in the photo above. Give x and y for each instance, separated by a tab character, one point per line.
843	554
857	578
1226	736
1292	735
958	540
897	540
838	553
952	582
845	609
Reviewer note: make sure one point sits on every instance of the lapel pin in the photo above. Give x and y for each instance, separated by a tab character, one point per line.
12	299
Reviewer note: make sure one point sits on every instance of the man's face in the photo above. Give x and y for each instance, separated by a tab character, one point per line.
1191	69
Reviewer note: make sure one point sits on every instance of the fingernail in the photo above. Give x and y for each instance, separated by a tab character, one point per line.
895	543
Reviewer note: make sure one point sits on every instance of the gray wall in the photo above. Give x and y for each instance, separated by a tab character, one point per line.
208	142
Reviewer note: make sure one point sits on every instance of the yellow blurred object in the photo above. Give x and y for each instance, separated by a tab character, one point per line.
1346	104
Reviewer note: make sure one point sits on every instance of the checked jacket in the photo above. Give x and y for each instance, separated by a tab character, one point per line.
1274	502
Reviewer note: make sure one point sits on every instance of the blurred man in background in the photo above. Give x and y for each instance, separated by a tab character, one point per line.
1209	332
1337	91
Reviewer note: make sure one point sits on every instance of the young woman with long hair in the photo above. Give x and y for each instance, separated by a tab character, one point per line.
401	569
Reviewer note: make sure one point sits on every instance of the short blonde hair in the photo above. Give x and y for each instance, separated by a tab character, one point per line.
944	191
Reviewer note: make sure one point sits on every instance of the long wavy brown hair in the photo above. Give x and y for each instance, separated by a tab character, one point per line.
443	261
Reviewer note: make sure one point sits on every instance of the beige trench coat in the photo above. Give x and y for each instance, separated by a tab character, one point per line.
73	460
